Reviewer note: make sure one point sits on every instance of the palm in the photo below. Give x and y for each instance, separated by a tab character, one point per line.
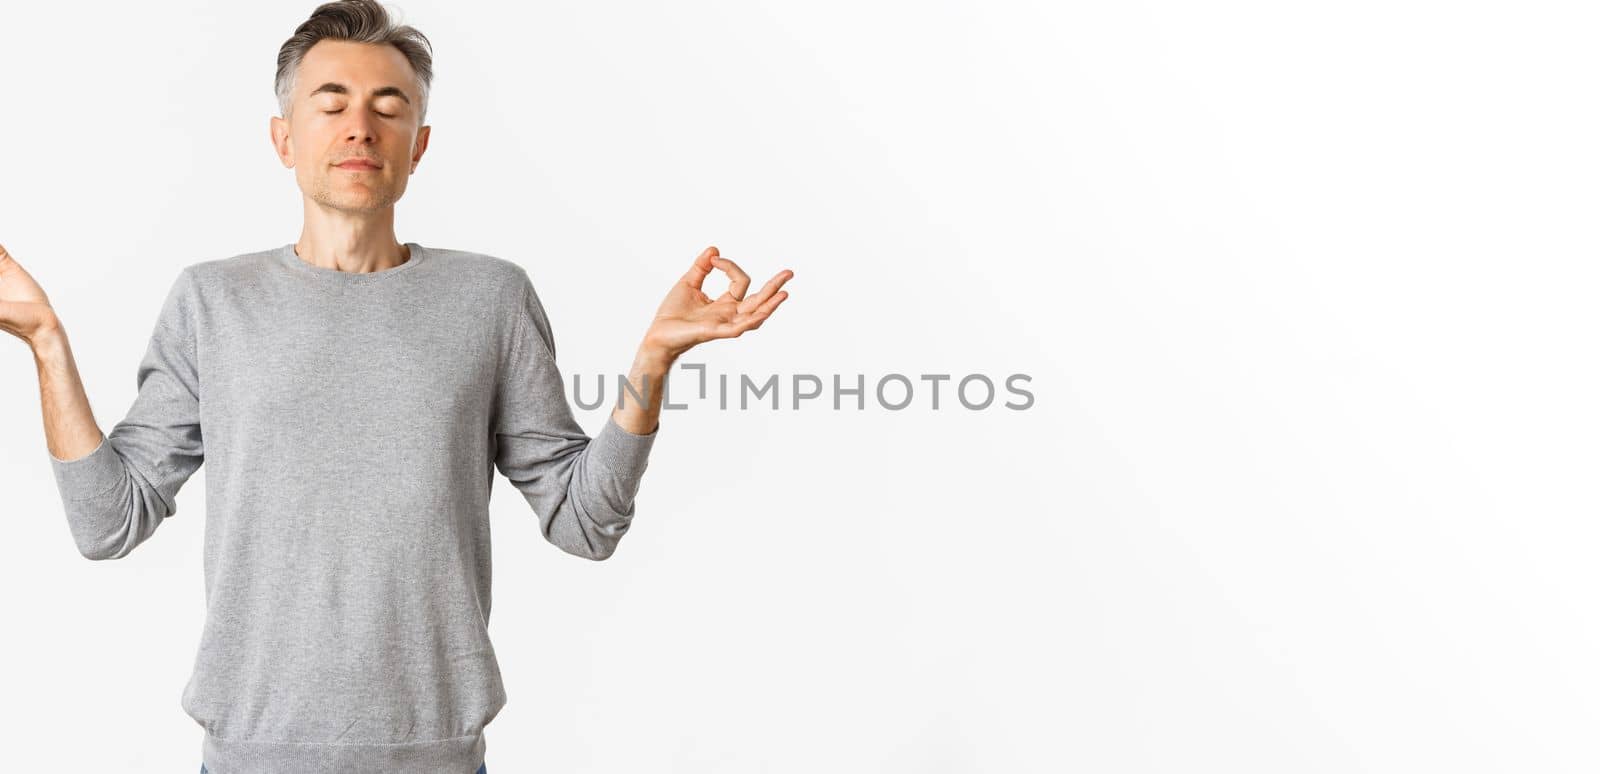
24	308
688	316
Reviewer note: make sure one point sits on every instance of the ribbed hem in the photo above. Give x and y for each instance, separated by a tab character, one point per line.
91	475
626	453
461	755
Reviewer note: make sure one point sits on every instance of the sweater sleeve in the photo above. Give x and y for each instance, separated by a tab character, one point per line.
582	489
117	495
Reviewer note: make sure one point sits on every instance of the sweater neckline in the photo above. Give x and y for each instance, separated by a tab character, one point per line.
288	257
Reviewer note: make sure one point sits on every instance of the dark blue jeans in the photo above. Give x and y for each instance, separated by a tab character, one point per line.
482	769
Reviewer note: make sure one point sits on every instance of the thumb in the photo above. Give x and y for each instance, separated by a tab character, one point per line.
696	275
16	284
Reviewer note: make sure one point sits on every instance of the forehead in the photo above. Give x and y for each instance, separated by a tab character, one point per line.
361	66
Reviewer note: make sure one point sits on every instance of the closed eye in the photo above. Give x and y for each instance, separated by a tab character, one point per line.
340	110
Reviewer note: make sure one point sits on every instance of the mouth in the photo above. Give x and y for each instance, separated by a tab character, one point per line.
358	166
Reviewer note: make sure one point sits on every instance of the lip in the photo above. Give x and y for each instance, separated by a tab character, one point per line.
358	165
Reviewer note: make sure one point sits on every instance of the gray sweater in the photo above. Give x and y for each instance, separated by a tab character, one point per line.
350	425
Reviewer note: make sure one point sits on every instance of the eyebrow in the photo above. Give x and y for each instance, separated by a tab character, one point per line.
381	91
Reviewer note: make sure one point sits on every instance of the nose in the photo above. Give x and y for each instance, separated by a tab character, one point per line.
362	127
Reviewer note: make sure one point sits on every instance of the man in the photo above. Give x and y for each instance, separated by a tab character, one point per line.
352	396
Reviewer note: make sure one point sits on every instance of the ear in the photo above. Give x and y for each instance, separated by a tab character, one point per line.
281	143
421	146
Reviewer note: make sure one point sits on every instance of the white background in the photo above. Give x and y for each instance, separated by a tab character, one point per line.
1306	292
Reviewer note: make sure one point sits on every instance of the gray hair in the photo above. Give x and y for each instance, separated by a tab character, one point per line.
359	21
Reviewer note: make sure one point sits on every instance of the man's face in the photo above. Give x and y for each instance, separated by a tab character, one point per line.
352	102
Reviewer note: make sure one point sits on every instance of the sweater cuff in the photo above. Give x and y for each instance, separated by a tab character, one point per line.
91	475
628	454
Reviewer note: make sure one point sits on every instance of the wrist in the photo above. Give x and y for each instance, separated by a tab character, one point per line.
48	340
654	359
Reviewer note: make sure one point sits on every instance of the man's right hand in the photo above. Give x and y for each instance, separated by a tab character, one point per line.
69	427
25	310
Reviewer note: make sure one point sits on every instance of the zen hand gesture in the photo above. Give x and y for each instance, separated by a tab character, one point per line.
688	316
24	308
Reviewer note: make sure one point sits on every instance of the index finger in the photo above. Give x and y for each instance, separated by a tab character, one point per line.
738	281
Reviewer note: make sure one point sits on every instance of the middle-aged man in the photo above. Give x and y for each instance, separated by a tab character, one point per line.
352	396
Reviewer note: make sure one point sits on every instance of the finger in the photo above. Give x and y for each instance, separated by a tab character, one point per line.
768	308
755	301
754	319
700	268
738	281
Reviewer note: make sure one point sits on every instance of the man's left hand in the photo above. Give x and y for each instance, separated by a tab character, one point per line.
688	316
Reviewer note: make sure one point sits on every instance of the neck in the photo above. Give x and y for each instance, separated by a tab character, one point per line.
350	242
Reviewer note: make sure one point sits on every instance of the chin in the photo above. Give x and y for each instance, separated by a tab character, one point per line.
348	202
